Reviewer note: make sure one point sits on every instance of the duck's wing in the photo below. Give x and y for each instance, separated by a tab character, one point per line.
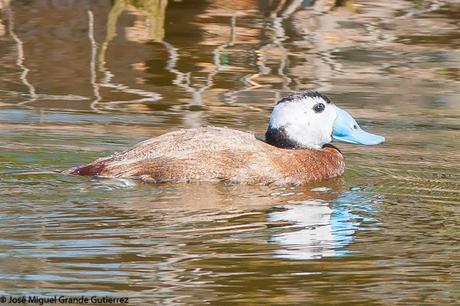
203	154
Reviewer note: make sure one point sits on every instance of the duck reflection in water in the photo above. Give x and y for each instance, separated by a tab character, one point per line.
301	223
317	227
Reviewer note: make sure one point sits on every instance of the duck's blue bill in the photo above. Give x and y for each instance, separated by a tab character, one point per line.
347	129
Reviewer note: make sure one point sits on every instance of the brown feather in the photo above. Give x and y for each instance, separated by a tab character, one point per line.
217	154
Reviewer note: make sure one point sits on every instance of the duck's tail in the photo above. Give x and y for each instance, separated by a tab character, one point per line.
93	169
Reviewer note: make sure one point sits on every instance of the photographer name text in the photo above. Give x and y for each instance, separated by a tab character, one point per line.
61	299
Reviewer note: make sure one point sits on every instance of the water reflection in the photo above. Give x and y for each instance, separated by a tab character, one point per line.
315	238
82	79
20	49
148	26
129	56
319	228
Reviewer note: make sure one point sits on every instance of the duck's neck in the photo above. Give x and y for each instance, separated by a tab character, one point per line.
279	138
320	164
303	166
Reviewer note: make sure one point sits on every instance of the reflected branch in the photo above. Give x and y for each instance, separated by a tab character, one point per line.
154	10
183	79
21	58
93	73
279	36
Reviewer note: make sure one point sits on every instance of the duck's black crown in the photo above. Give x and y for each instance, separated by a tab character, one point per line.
303	95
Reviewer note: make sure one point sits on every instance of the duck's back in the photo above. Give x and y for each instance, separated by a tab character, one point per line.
216	154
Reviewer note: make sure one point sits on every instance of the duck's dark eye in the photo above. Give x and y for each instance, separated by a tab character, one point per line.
318	108
355	126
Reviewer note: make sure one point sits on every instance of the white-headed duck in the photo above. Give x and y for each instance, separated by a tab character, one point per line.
296	149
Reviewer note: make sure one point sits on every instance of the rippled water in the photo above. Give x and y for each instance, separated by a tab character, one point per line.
82	79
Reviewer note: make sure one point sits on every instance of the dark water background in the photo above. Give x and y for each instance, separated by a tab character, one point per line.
82	79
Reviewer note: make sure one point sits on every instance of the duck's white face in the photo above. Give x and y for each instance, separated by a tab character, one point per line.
303	120
310	120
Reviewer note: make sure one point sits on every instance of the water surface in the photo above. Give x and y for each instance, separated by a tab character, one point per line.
82	79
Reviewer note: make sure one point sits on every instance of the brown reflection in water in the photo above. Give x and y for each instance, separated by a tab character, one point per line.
143	22
193	62
49	65
148	26
219	196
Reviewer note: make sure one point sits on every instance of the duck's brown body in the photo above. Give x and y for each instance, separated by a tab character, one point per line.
216	154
